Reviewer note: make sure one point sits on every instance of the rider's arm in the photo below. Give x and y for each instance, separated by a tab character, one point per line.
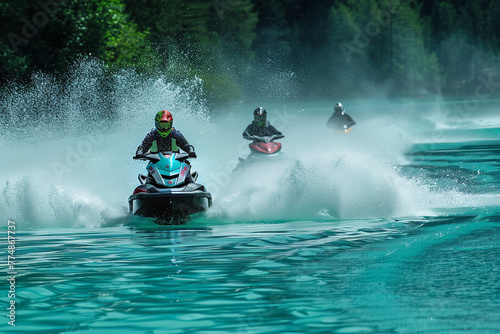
274	131
332	121
249	133
246	133
184	145
146	143
348	119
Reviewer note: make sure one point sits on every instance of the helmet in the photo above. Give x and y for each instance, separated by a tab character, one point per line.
163	122
260	116
339	107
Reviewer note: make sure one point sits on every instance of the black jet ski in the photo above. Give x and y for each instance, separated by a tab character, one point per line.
169	191
341	122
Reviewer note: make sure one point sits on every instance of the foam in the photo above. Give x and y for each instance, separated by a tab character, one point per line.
74	167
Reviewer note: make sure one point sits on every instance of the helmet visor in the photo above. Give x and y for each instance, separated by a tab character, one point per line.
261	119
165	125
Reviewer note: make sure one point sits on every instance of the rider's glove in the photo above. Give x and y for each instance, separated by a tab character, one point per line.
191	153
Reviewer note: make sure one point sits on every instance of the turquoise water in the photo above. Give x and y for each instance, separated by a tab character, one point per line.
391	229
409	275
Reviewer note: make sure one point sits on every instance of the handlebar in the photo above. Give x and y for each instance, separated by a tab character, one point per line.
267	139
153	157
278	137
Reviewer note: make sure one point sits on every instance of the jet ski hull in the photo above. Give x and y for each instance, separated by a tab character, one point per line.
269	148
341	122
170	205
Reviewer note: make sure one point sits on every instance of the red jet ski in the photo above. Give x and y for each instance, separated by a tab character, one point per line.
261	149
266	145
265	148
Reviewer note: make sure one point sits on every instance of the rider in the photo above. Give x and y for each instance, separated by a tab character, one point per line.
340	120
165	138
260	128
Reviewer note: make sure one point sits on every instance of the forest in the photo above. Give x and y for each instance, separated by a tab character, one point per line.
247	49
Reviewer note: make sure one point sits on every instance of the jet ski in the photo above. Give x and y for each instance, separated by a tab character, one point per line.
341	122
263	149
266	145
169	191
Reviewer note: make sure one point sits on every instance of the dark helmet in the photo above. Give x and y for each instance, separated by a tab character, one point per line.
339	107
260	116
163	122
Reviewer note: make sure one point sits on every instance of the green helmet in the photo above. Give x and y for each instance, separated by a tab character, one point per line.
163	122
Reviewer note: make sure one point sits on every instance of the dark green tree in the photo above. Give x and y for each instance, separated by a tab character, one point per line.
49	35
416	70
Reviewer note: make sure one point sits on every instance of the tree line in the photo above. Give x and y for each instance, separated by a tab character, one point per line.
249	48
